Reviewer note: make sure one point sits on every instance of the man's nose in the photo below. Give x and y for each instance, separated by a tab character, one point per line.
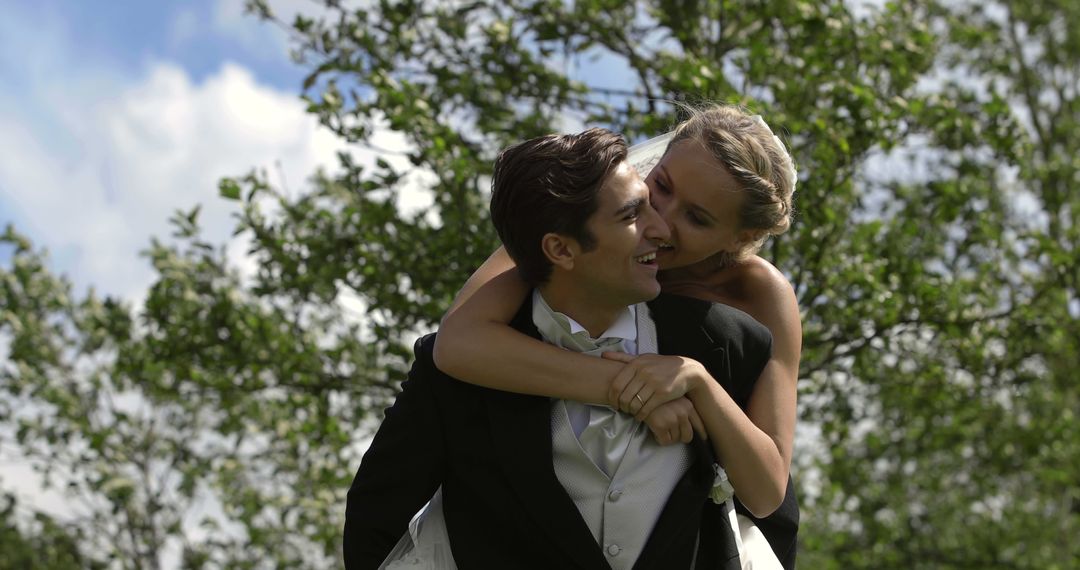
661	205
656	200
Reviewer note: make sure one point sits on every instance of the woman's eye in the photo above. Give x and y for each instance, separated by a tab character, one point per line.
696	219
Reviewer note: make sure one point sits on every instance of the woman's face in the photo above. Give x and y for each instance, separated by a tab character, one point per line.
700	200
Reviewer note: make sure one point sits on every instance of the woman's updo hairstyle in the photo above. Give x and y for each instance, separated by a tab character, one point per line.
756	157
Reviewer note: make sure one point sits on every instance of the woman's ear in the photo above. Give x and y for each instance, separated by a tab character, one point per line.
747	237
559	249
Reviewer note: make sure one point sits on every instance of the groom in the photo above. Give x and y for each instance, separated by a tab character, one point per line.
530	482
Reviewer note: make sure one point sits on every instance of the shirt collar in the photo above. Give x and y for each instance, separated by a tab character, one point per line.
624	327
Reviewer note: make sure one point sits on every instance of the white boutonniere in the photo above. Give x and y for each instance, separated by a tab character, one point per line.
721	489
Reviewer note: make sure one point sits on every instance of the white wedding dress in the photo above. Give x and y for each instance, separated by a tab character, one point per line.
426	545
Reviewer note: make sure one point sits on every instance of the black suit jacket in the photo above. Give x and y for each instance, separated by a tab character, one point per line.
491	451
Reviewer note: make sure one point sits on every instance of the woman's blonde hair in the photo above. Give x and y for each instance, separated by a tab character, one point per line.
758	160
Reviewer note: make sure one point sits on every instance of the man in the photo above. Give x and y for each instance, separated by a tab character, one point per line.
532	483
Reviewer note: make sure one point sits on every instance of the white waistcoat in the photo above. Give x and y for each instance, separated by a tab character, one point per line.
622	509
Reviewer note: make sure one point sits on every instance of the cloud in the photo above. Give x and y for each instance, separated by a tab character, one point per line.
94	159
156	145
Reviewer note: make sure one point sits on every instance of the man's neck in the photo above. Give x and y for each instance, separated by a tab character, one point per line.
595	315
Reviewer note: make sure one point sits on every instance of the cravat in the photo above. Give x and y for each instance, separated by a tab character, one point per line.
608	432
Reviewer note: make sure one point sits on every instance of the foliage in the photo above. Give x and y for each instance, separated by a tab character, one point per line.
935	256
212	396
45	545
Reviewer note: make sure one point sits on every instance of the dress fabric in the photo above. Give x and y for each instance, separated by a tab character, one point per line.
426	545
755	552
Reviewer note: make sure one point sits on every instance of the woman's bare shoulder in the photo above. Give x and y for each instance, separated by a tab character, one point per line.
765	293
753	285
755	278
759	272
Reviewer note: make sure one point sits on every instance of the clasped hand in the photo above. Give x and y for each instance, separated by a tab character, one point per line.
653	388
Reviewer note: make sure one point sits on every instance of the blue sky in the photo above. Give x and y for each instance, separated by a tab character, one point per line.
127	34
114	114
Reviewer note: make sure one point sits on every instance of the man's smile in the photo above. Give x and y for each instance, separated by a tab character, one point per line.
647	259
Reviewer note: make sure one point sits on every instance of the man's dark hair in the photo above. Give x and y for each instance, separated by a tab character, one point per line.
550	184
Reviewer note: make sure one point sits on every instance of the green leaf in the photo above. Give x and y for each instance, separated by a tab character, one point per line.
229	189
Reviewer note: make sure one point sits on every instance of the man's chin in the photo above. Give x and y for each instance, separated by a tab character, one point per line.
648	293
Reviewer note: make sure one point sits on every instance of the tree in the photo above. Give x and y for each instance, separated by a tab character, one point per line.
934	256
46	544
211	397
970	462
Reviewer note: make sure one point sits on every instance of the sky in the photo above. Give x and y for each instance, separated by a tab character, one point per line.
115	114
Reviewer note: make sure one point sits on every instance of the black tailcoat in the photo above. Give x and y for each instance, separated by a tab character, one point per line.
492	453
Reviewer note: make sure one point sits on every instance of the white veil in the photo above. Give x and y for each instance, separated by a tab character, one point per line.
645	155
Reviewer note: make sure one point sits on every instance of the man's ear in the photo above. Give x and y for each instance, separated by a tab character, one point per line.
560	250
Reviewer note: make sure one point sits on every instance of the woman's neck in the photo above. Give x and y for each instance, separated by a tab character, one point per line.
708	271
703	280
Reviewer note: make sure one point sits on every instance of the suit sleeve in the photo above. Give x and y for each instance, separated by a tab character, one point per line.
748	345
400	471
752	353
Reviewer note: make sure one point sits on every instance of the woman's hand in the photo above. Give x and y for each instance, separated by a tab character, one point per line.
650	380
675	422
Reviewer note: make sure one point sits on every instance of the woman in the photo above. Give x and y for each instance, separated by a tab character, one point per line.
723	185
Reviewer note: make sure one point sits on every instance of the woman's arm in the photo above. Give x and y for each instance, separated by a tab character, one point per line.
476	344
754	447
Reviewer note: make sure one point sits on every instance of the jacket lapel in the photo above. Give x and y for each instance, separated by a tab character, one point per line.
521	432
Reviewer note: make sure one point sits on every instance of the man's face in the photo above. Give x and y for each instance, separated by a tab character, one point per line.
621	268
